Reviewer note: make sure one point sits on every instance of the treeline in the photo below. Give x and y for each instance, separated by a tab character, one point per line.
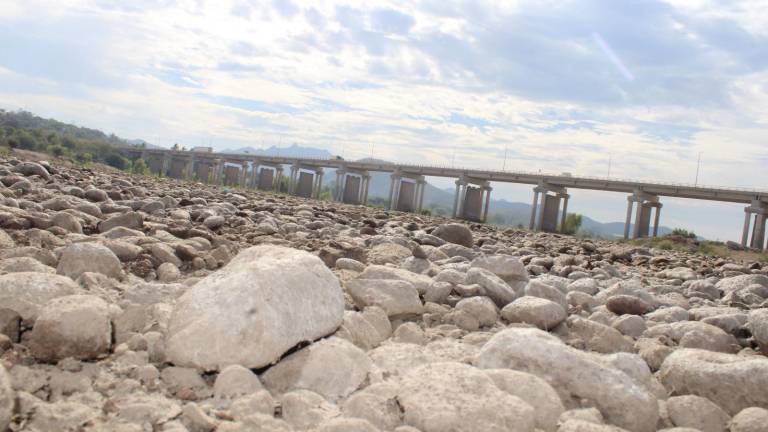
24	130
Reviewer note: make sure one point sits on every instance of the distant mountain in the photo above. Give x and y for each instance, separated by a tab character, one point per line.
294	150
140	142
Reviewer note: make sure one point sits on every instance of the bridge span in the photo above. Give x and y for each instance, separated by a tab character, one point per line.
473	189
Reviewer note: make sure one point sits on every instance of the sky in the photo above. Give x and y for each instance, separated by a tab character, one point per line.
644	87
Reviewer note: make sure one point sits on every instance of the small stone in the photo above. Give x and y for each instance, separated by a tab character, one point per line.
542	313
88	257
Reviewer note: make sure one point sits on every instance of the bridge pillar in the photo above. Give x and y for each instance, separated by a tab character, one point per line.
318	187
421	183
278	178
244	175
545	214
219	172
458	200
488	190
338	191
364	189
394	191
292	179
645	205
189	169
758	212
166	164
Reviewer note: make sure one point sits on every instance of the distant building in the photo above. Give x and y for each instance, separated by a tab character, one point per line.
202	149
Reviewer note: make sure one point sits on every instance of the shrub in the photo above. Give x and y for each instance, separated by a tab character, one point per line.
683	233
140	167
117	161
572	224
665	245
56	150
426	212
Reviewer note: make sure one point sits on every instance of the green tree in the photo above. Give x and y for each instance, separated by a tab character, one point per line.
684	233
117	161
56	150
140	167
572	224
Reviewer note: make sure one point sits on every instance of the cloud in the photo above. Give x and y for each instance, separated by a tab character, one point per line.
420	80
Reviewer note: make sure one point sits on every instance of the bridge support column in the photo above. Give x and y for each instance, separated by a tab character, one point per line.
565	212
758	212
189	170
244	175
338	192
364	189
277	180
318	188
219	172
545	215
292	179
421	183
487	204
645	202
534	208
656	218
166	164
460	183
394	190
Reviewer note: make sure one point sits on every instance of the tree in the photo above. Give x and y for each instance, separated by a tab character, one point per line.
140	167
56	150
684	233
117	161
572	224
13	143
176	147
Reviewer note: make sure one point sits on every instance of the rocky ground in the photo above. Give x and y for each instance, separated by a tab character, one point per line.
141	304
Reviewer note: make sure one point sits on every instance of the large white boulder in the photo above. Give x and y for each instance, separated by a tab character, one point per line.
456	397
332	367
264	302
27	292
79	258
396	297
72	326
731	381
6	399
576	375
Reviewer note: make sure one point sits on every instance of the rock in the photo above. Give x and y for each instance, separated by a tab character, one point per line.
214	222
168	272
627	304
454	233
753	419
735	283
694	334
574	374
499	291
264	302
68	222
185	382
482	308
420	282
308	368
10	324
235	381
24	264
79	258
260	402
349	264
697	413
732	382
510	269
6	399
596	337
409	333
377	404
585	426
758	324
456	397
304	409
366	329
534	391
388	253
341	424
539	312
396	297
26	293
31	169
72	326
131	220
537	288
630	325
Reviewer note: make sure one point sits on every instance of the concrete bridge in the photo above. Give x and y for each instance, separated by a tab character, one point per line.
473	190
